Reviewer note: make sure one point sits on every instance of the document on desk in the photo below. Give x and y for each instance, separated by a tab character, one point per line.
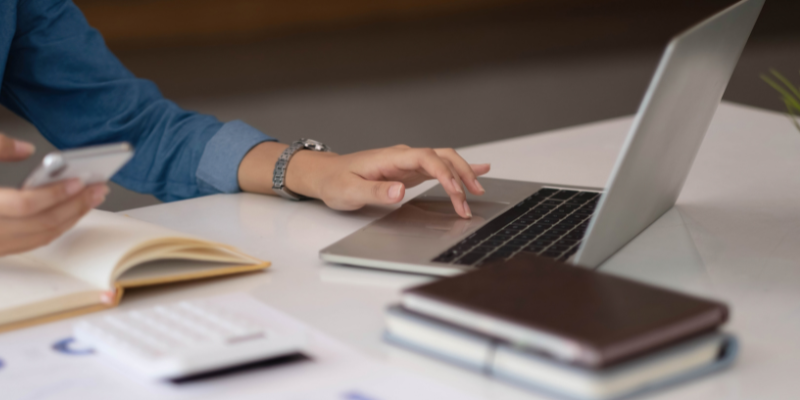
383	384
44	363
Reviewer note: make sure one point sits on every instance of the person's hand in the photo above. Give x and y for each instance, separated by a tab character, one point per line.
349	182
30	218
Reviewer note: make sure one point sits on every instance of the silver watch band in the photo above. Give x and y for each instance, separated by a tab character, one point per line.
279	174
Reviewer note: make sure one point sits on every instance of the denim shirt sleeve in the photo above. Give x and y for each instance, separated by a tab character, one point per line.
62	78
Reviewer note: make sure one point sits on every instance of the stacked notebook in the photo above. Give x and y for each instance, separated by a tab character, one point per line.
564	330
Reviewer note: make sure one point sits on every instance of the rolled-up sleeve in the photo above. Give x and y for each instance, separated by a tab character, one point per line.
216	172
62	78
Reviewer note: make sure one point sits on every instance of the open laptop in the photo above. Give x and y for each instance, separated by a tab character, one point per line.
584	226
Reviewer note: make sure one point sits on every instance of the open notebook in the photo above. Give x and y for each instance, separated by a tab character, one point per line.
87	268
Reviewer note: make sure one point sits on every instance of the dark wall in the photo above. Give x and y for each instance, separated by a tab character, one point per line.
148	23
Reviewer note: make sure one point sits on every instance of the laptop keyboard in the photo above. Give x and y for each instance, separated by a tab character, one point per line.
551	223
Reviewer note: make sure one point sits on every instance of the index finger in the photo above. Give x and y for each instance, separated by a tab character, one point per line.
19	203
466	171
14	150
433	165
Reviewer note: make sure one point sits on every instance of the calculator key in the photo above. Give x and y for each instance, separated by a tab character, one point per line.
183	339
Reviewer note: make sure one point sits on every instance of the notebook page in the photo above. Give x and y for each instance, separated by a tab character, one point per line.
24	282
92	248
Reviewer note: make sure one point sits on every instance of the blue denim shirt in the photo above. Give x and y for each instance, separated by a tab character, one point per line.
58	74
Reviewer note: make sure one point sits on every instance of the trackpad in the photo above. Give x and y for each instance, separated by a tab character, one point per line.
434	216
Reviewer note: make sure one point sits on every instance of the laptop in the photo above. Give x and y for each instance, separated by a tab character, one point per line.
581	225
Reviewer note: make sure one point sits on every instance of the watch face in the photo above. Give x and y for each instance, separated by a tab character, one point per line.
315	145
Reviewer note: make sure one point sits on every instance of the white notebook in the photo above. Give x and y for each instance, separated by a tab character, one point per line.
87	268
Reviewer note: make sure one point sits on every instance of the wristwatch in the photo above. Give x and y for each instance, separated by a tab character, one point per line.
279	175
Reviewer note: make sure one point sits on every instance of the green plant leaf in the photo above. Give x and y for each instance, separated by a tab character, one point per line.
792	106
786	82
787	96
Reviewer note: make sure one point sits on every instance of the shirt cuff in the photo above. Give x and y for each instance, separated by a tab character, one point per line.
218	170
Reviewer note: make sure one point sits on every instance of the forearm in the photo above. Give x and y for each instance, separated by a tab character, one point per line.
304	173
349	182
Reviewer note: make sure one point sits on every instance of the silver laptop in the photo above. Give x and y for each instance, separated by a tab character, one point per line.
581	225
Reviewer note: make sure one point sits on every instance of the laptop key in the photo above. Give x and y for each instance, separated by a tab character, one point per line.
585	196
465	244
533	199
513	246
575	202
567	241
546	191
551	253
564	194
518	242
503	253
483	249
489	260
498	237
511	231
588	207
469	259
573	236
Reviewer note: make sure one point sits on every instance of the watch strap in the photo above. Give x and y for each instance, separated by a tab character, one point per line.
279	174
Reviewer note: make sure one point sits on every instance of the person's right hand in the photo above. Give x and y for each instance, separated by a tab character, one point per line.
30	218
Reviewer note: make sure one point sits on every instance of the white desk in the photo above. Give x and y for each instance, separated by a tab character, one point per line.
735	235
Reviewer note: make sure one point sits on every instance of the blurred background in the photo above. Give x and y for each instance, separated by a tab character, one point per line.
360	74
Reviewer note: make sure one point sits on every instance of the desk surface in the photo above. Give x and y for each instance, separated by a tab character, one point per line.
734	235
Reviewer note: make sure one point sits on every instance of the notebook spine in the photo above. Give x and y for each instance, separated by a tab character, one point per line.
482	358
556	346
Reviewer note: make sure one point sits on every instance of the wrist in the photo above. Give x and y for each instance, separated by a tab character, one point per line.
307	171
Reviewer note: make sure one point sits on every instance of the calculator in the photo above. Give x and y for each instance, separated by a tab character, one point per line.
184	339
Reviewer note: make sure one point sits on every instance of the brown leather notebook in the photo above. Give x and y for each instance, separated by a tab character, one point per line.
574	314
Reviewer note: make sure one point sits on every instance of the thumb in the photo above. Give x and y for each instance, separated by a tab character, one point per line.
14	150
364	192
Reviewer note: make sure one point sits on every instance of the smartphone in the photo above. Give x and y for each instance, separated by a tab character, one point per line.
95	164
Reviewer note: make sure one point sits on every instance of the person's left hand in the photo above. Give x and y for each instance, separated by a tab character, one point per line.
349	182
